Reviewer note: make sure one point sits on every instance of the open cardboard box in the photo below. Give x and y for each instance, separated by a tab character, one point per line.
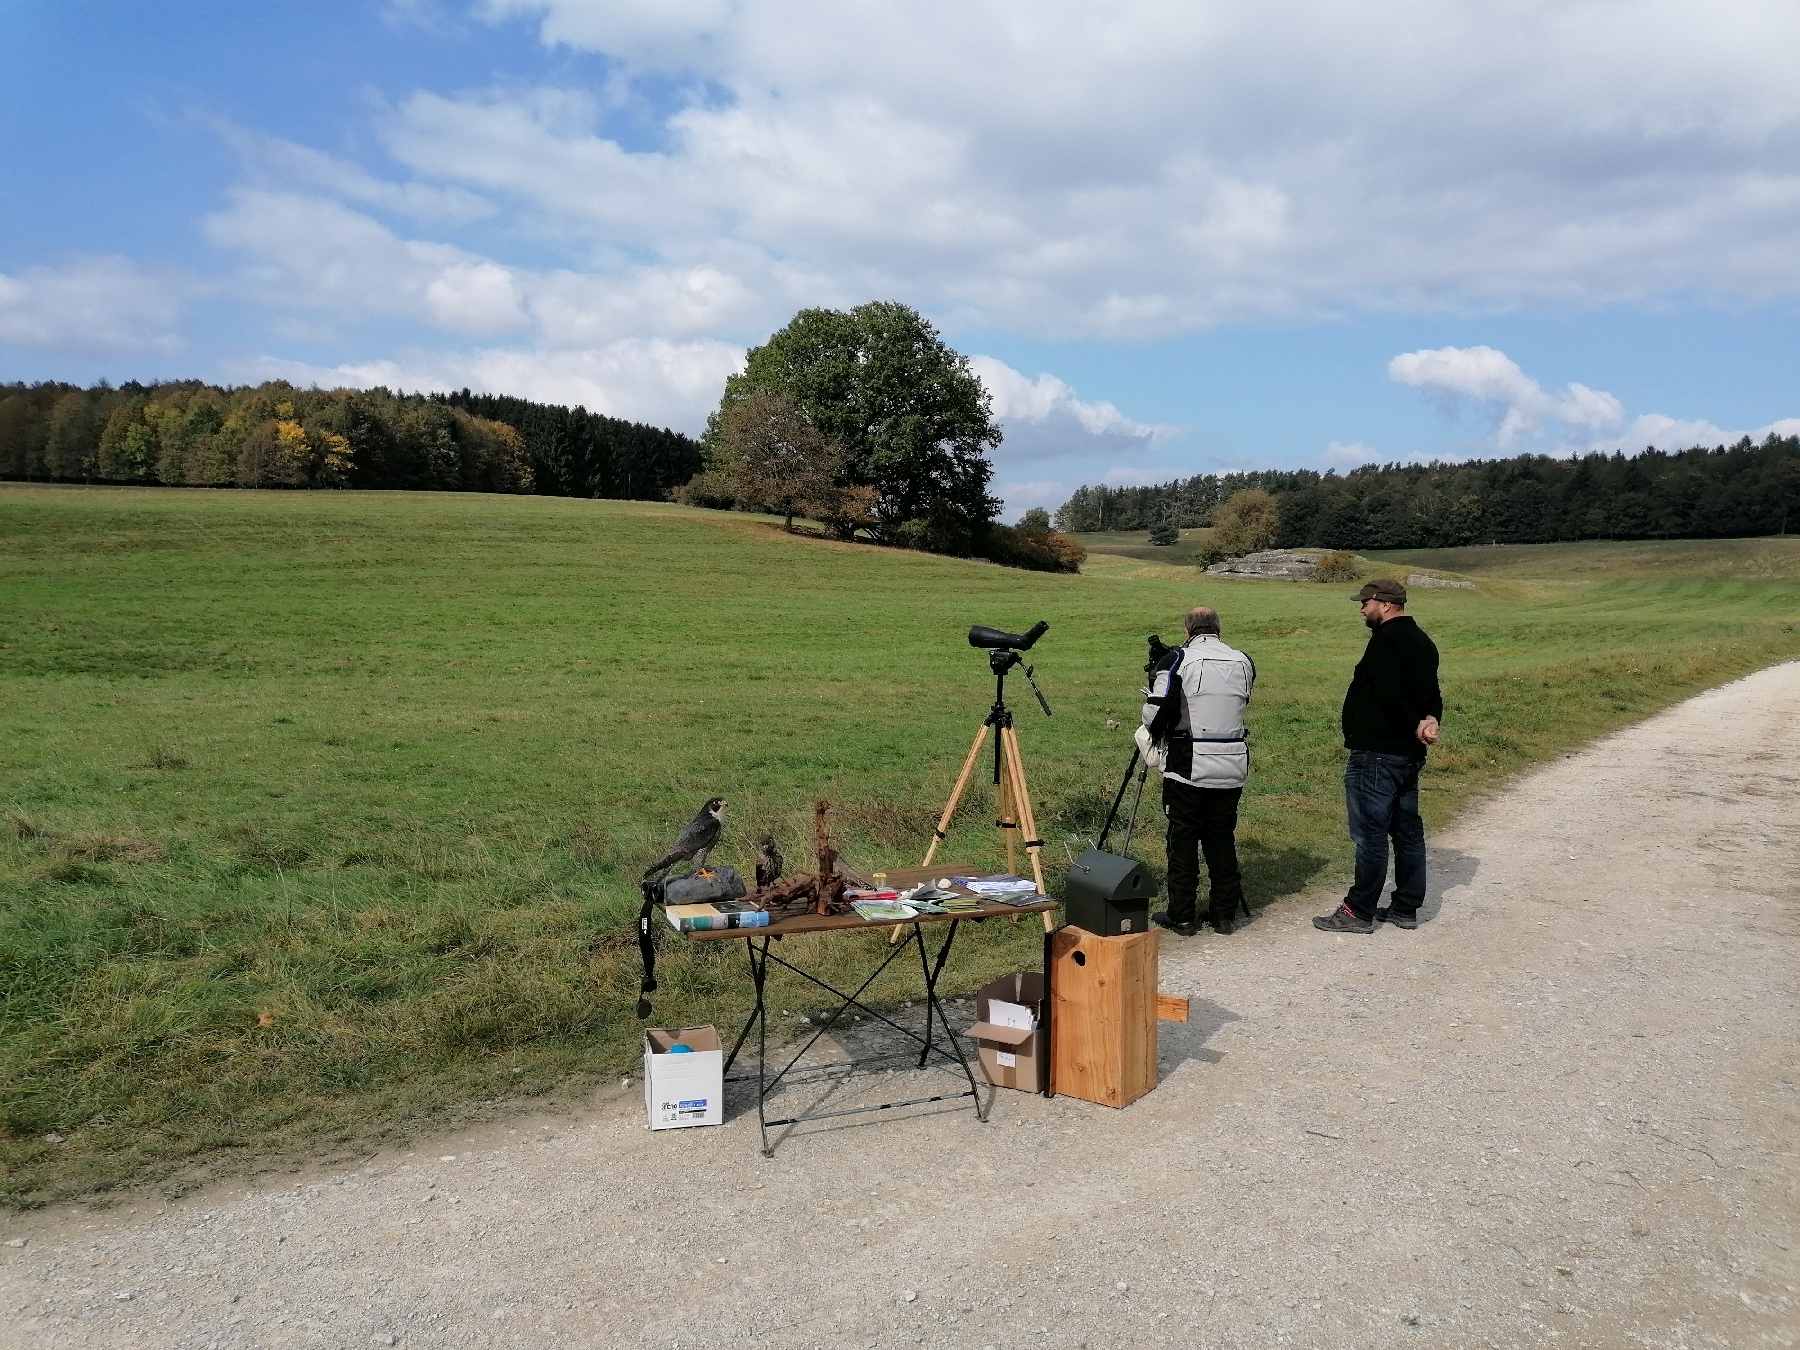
1012	1056
684	1088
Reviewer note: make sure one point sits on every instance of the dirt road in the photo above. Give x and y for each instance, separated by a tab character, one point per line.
1564	1109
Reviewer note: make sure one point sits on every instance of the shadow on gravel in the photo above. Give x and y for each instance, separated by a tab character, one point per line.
1179	1042
855	1065
1446	869
1271	874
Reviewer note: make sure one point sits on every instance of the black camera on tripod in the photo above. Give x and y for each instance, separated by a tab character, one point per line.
1161	654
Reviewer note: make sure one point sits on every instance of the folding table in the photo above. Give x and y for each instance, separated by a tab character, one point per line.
757	942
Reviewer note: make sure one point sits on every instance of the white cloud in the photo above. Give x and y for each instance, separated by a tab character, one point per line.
312	252
1492	378
1675	433
1524	413
1126	476
1155	166
91	305
643	380
309	252
1020	497
1018	399
1354	455
275	164
1043	420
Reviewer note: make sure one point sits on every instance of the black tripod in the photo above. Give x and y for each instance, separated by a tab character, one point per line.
1119	797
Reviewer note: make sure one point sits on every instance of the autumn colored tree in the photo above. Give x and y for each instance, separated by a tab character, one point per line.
771	455
1246	522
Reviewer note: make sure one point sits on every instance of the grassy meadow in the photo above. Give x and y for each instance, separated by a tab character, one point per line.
321	813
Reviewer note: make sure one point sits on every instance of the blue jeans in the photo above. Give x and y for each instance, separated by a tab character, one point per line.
1382	793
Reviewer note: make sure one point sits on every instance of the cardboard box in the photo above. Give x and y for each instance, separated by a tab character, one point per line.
1012	1056
683	1088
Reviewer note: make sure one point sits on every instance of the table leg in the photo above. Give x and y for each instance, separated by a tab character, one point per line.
931	1002
756	1012
759	971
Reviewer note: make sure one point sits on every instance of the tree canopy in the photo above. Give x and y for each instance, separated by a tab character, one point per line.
1246	521
771	454
186	433
910	418
1703	492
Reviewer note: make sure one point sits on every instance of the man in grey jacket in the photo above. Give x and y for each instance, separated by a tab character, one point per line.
1194	725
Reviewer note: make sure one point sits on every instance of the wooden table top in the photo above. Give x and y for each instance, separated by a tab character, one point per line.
898	878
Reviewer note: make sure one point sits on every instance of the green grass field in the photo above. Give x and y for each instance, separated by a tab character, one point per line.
323	810
1590	561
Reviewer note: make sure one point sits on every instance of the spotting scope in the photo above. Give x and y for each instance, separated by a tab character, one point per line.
982	636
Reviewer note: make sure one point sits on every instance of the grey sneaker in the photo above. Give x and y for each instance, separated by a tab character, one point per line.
1162	920
1344	920
1400	918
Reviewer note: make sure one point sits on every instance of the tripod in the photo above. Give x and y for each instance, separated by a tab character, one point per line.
1012	793
1131	828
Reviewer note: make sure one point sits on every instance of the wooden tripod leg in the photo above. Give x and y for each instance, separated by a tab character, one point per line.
962	781
1006	809
943	825
1022	791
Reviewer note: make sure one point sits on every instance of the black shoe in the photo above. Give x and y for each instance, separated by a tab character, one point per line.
1222	927
1161	920
1344	920
1400	918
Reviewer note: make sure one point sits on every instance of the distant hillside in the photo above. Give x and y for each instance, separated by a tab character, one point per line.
1703	493
187	433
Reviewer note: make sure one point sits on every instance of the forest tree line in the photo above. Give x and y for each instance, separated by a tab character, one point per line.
190	434
1718	492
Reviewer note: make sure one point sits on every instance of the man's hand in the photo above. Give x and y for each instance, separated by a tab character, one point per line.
1428	731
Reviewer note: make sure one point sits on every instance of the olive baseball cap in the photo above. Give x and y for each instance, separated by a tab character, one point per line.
1382	588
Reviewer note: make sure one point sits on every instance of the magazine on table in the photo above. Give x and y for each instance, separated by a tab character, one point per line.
1000	887
884	911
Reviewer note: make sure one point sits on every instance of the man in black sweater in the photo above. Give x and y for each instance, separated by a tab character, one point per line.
1390	718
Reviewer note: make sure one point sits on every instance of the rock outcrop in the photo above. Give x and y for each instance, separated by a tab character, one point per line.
1420	582
1275	564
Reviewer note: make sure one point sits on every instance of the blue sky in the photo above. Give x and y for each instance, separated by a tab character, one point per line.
1173	237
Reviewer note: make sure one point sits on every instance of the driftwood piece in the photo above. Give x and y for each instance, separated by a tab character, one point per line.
820	891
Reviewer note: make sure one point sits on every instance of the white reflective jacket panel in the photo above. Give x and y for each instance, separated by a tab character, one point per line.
1205	742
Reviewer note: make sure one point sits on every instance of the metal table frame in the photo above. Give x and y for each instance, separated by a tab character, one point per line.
757	943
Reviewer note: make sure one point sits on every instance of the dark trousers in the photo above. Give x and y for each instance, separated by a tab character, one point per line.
1202	820
1382	793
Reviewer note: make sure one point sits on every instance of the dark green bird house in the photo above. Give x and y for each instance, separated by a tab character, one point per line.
1107	895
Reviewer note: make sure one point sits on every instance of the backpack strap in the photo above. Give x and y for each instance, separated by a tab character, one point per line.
1168	712
647	949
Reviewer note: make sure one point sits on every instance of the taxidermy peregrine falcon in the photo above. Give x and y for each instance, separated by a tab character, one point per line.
768	862
697	838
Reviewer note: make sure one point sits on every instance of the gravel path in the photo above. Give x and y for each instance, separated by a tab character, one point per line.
1564	1109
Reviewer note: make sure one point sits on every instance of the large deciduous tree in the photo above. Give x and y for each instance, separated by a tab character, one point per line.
1246	522
771	455
912	421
